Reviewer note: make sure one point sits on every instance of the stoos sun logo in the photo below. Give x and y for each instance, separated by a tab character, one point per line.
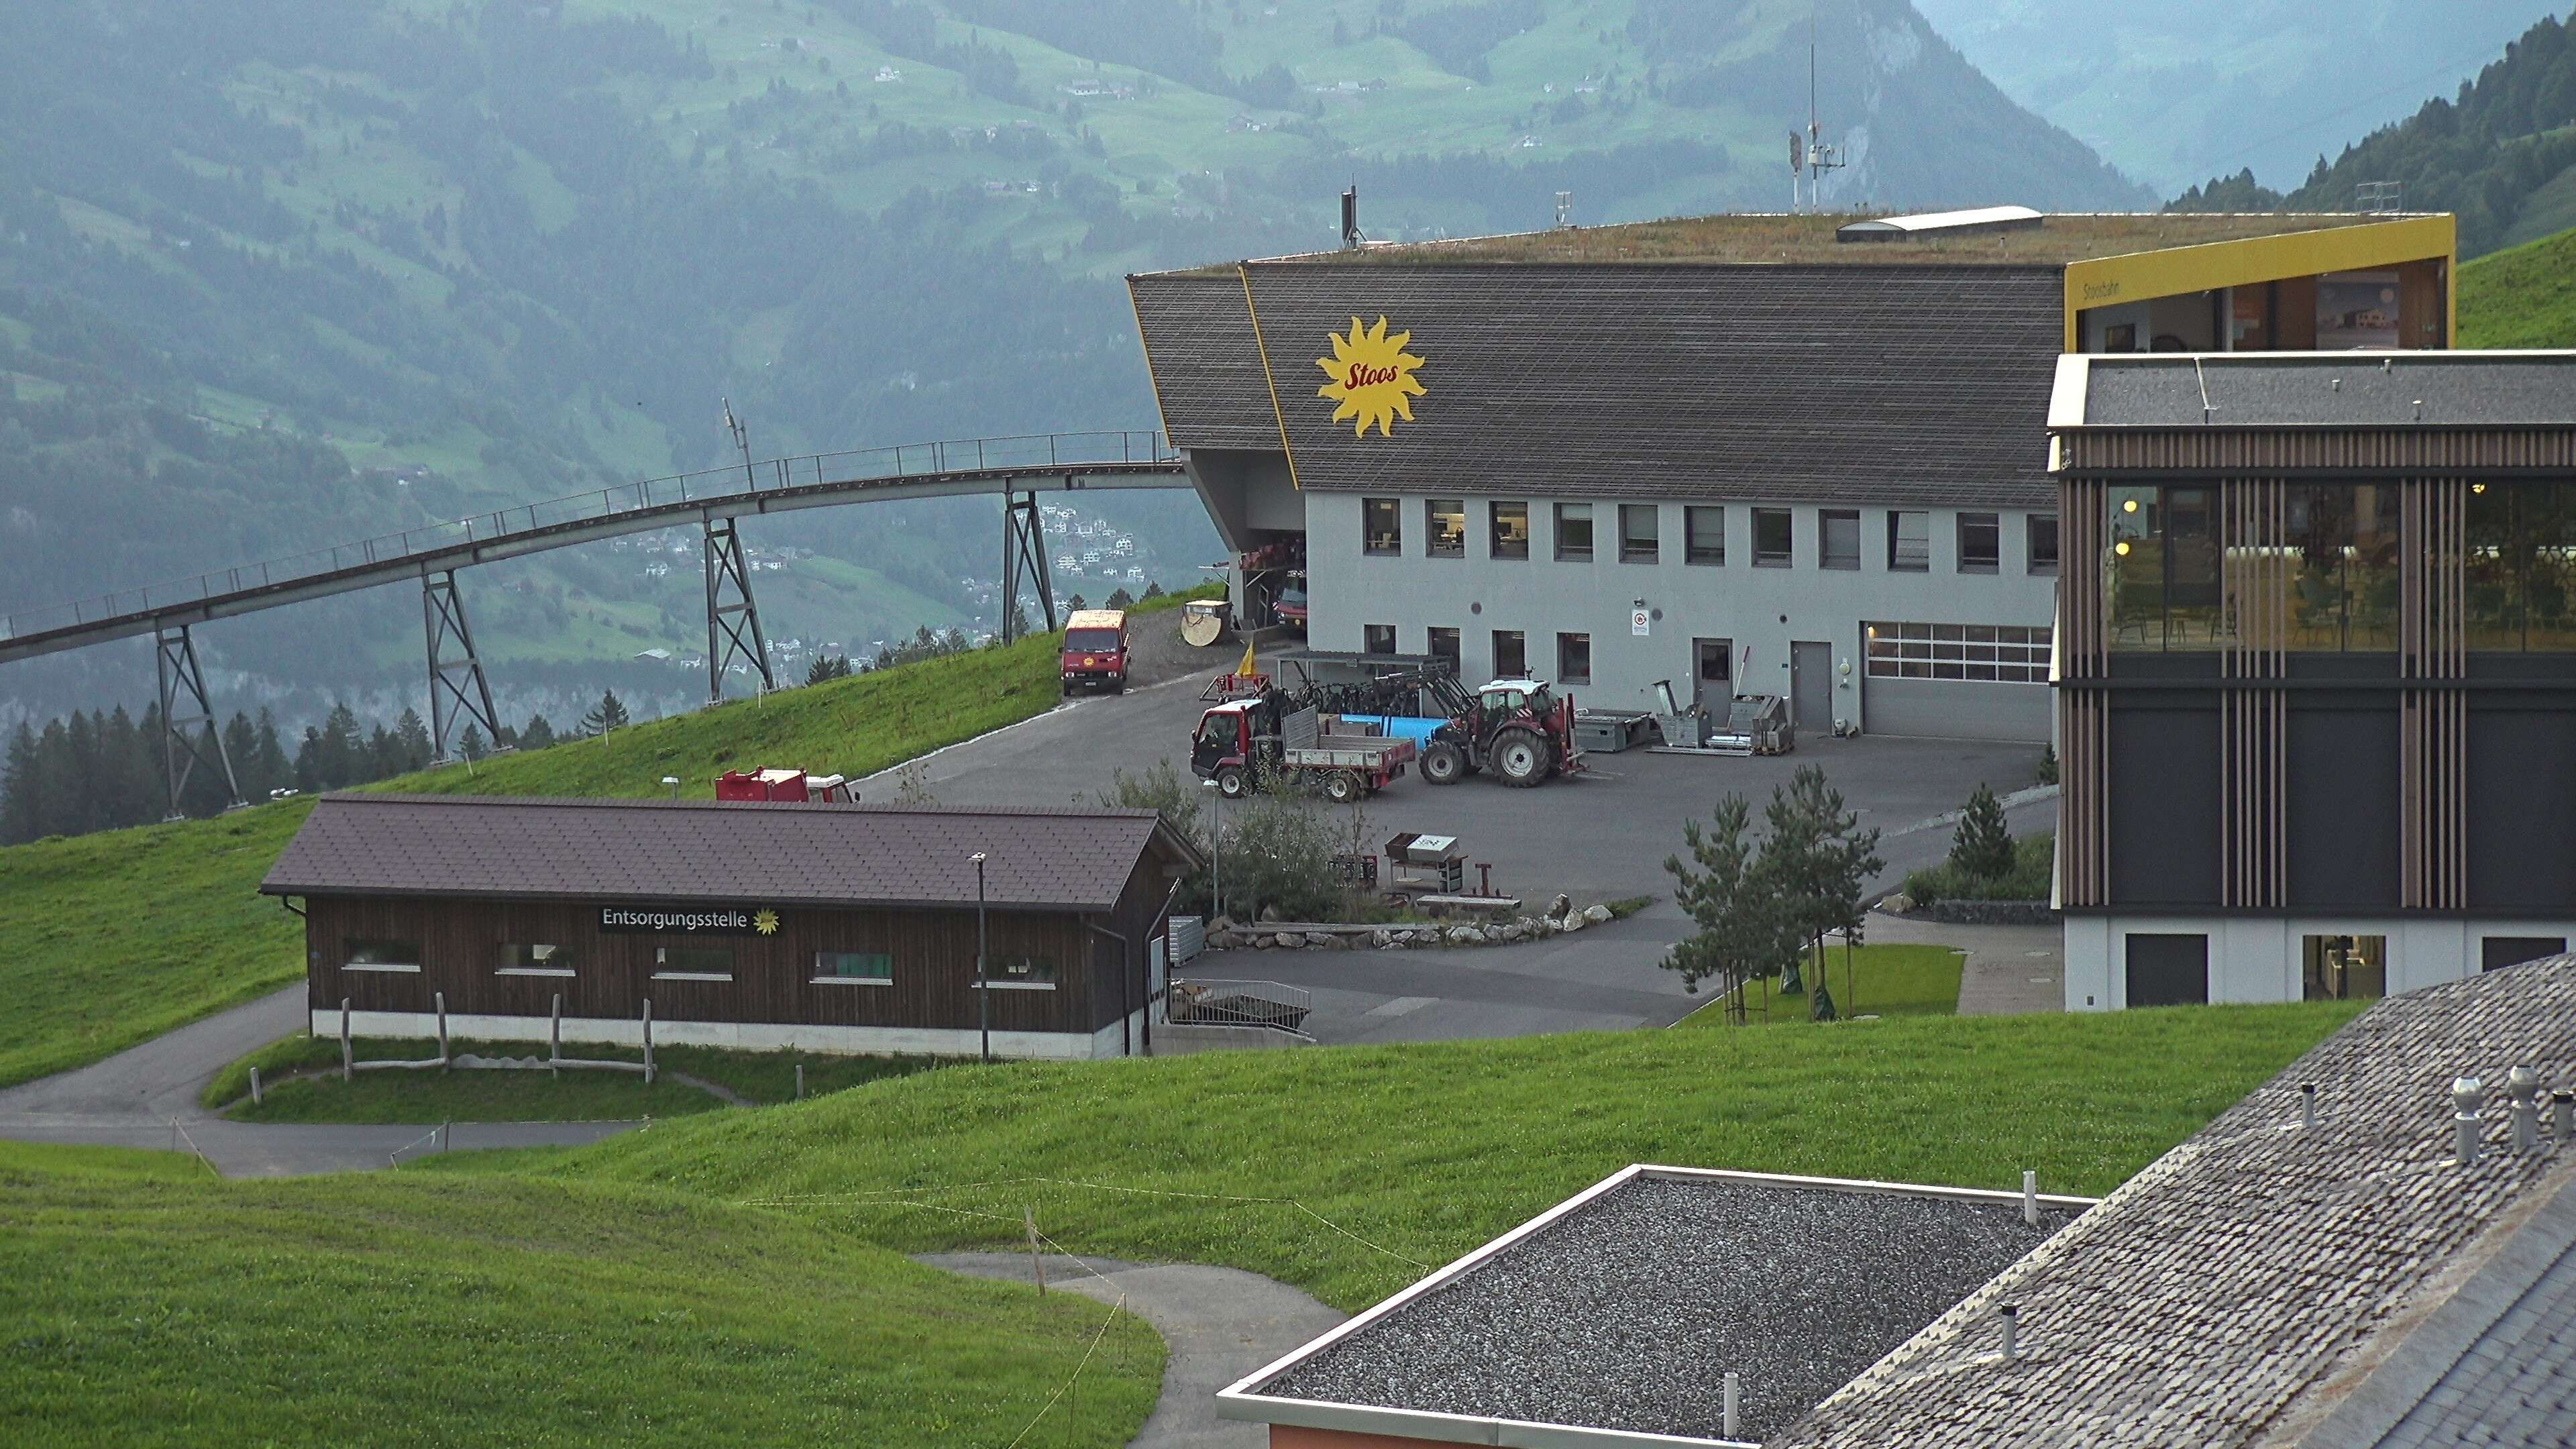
1371	377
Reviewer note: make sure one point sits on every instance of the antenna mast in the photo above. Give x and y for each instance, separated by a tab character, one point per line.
1820	157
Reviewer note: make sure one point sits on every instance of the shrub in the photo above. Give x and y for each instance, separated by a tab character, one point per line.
2025	880
1984	846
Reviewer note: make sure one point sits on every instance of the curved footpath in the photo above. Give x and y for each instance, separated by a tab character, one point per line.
1219	1323
130	1100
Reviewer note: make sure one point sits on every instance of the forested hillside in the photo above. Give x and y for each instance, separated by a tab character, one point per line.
2501	154
275	274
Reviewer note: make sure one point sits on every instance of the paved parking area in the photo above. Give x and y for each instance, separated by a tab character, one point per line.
1600	836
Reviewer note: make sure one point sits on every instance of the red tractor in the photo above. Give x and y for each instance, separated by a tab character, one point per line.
1512	727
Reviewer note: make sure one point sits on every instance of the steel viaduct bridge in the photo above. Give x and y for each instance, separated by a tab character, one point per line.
1016	469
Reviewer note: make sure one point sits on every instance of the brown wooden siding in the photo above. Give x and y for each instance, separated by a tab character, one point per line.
933	951
2255	451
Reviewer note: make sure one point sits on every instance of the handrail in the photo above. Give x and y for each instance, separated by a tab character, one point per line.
1021	452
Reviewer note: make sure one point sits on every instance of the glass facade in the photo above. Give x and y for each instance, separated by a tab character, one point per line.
2521	567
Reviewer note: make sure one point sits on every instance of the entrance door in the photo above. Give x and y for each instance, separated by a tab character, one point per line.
1811	687
1712	675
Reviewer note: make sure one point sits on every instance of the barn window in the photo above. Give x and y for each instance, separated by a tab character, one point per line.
693	963
854	968
363	954
1021	973
535	960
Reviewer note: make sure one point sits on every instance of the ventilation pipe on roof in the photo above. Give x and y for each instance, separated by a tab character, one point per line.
2308	1105
2564	1103
2466	1094
2522	1084
1732	1397
2030	1197
2012	1331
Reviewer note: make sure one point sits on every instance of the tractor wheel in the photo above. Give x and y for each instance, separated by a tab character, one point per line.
1232	783
1342	787
1443	763
1522	759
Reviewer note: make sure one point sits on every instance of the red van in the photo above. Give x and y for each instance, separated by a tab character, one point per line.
1095	650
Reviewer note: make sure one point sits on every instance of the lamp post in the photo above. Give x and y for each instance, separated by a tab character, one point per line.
983	985
674	782
1216	851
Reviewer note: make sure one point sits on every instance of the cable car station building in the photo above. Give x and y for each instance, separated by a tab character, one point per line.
757	926
1792	455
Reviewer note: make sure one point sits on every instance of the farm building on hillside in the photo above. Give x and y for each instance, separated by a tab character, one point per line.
756	926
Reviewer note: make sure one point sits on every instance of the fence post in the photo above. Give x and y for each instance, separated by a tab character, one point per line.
346	1056
1037	1265
800	1081
254	1086
648	1041
440	999
554	1040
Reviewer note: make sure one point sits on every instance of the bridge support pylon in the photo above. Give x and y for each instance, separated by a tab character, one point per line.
442	614
1024	555
194	738
733	615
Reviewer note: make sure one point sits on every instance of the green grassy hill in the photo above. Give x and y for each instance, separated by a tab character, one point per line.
2523	296
150	1305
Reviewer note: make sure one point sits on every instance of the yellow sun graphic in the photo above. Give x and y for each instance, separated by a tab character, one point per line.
1371	377
765	922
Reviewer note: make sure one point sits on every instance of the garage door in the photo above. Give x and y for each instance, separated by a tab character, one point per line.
1956	681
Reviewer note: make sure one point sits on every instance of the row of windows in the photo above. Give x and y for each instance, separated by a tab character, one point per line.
1908	534
2005	653
1511	651
690	963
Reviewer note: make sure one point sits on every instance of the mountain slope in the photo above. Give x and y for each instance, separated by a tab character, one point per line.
2521	297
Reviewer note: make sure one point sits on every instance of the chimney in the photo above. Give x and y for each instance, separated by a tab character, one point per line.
2522	1084
2308	1105
2466	1094
2029	1198
2564	1102
2012	1332
1351	218
1732	1398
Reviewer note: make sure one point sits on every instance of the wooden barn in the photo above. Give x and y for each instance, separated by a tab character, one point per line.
826	927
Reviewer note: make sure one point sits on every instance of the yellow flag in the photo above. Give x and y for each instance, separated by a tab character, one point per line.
1247	669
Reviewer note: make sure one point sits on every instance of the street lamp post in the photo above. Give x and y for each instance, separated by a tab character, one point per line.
983	983
674	782
1216	851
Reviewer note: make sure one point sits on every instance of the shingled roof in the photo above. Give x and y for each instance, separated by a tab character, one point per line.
700	850
2251	1285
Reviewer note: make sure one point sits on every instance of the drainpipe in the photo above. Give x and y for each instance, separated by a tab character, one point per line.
1126	1013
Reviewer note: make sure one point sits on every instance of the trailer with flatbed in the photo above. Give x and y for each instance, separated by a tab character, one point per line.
1242	743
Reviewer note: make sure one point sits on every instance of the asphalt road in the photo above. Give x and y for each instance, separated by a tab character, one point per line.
1602	835
1219	1323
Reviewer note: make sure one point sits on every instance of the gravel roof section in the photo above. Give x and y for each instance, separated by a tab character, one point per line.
2400	389
702	850
2244	1286
1626	1313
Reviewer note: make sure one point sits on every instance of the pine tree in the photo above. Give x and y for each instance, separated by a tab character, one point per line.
1742	934
1120	599
343	755
537	735
608	714
274	768
384	757
470	744
1983	848
21	817
414	737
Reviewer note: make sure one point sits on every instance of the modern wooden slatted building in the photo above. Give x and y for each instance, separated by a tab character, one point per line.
748	925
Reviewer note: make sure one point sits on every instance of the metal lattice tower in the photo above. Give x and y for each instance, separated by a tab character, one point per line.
733	615
1024	553
442	612
193	739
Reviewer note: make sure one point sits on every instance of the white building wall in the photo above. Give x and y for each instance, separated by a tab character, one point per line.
1764	607
2257	959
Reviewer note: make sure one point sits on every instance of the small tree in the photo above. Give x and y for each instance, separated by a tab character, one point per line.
827	667
2048	770
470	744
1983	848
1153	591
1741	935
538	734
608	714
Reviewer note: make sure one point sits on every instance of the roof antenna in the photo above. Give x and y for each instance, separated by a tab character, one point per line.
1820	158
1351	237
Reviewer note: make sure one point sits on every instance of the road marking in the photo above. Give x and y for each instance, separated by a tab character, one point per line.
1402	1005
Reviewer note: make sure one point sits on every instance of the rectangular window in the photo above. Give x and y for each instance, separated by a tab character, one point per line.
1704	535
1510	530
1909	541
1988	653
2043	543
2497	952
693	963
1574	532
1511	654
1377	638
2343	968
1640	530
1774	538
1574	659
1380	530
1981	543
854	968
358	953
2521	586
1446	523
1020	973
1443	644
535	960
1838	539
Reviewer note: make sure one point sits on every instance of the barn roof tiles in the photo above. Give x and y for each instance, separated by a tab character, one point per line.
699	850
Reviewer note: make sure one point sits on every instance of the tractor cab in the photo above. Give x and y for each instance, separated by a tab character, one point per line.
1224	738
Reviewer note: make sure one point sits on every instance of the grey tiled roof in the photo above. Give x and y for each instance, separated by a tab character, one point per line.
1626	1313
2250	1282
700	850
2514	1386
2399	389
